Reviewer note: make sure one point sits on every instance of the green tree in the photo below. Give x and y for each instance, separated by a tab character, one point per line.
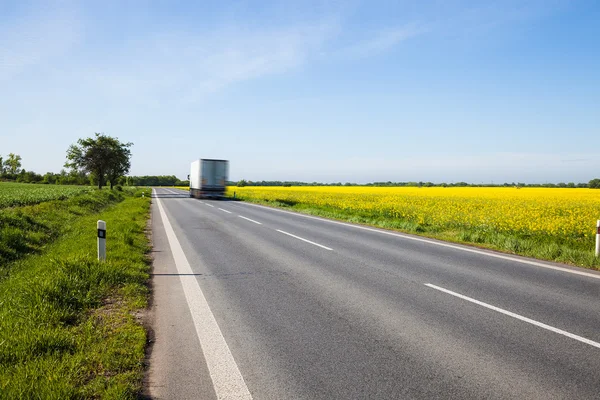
102	156
119	162
13	164
28	177
50	178
594	184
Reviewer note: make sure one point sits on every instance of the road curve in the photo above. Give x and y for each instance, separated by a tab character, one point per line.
252	302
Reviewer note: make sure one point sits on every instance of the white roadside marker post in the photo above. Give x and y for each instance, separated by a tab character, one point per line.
598	238
101	240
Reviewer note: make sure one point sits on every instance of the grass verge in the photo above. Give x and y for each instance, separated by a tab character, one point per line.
68	326
27	230
559	249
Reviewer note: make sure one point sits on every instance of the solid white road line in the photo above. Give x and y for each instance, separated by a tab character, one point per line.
304	240
228	212
517	316
251	220
442	244
226	377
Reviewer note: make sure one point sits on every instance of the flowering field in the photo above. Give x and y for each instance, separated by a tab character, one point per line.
563	212
21	194
564	215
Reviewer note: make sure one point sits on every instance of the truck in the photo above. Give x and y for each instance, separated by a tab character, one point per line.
208	178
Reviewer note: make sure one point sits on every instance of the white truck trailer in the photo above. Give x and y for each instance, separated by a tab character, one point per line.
208	178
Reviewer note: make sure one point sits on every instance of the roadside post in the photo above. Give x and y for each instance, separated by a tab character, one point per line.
101	240
598	238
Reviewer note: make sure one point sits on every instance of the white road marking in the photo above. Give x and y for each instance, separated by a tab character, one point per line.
251	220
210	205
305	240
228	212
517	316
172	191
442	244
224	372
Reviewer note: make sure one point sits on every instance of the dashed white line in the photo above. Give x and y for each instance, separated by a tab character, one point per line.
224	372
228	212
251	220
172	191
517	316
210	205
304	240
436	243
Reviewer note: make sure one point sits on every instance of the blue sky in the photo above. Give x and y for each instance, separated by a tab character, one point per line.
310	90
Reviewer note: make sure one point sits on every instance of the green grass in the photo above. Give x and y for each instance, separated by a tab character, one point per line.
27	230
21	194
68	325
564	250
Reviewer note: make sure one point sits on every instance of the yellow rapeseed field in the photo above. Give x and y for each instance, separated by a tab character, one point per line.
567	213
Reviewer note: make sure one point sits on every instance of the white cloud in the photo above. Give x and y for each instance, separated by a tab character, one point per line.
383	40
178	67
188	66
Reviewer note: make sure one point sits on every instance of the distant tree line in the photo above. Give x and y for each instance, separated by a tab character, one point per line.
465	184
10	170
103	159
98	161
594	184
161	180
15	173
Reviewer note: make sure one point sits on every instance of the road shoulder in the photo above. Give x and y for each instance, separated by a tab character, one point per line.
177	368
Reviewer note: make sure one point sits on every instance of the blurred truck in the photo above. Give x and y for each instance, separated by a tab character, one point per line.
208	178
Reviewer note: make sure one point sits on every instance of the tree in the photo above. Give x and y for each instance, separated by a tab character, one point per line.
28	177
119	161
13	164
594	184
50	178
102	156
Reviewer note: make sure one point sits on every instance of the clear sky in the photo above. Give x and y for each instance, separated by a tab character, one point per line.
359	91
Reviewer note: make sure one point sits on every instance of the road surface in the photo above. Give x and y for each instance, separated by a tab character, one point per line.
253	302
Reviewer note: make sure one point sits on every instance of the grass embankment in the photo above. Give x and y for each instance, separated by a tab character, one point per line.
67	322
570	248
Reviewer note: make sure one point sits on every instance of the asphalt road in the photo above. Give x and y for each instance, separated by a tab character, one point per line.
252	302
